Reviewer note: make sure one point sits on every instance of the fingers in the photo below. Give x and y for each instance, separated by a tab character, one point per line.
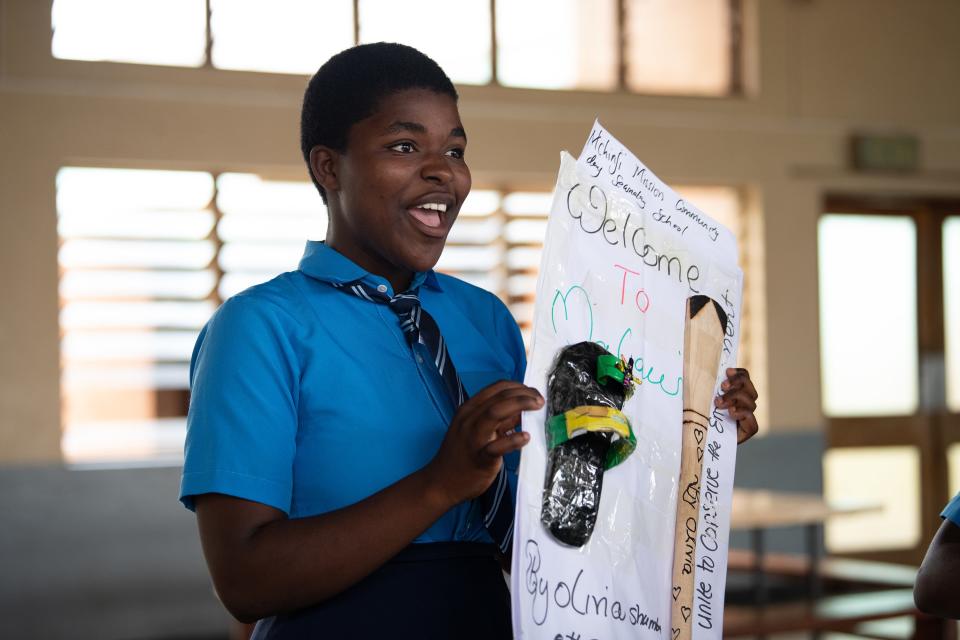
484	428
738	379
747	428
496	410
737	402
492	390
738	391
507	444
739	397
500	421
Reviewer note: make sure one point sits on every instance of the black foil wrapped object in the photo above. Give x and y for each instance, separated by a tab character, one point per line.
575	467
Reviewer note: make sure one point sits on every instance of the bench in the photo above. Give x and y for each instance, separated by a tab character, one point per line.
833	572
844	613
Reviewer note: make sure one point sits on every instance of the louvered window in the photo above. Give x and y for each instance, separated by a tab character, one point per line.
146	256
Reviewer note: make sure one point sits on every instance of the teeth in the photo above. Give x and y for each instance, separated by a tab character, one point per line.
434	206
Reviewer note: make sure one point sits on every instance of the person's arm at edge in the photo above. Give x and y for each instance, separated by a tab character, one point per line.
938	580
263	563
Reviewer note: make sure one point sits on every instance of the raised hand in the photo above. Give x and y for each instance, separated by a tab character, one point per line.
482	431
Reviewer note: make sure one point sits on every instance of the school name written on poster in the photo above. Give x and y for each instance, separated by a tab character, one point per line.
605	158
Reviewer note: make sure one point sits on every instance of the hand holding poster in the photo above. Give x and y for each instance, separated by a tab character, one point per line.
628	274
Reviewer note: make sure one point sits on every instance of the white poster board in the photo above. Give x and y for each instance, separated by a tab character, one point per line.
622	254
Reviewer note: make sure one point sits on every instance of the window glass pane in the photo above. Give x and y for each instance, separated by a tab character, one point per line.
884	477
160	440
455	34
480	202
868	323
77	284
249	194
474	231
168	346
93	192
951	303
168	314
135	254
136	376
524	259
521	284
526	231
557	44
528	203
474	250
953	468
271	258
191	225
679	46
135	289
236	281
467	258
523	312
282	36
168	32
484	280
264	225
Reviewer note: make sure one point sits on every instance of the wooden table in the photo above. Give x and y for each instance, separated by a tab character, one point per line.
758	510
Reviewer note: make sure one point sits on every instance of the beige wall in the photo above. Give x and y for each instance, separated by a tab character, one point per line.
823	69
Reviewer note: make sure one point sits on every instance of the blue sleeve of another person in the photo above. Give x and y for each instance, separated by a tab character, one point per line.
242	422
952	511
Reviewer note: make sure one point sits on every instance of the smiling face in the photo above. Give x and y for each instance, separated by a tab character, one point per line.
396	190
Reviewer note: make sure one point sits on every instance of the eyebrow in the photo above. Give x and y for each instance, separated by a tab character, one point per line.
416	127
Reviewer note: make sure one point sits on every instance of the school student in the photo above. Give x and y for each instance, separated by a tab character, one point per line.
352	447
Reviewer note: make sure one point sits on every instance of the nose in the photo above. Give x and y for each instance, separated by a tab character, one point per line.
436	168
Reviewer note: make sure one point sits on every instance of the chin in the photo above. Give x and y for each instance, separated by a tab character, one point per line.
424	261
425	264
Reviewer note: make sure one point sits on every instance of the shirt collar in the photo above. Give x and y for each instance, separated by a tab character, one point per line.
326	264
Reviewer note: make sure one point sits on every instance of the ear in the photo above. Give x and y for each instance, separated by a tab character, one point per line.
324	164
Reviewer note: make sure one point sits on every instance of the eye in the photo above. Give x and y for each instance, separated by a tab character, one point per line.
456	152
403	147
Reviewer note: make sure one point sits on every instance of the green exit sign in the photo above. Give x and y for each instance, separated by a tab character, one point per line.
885	153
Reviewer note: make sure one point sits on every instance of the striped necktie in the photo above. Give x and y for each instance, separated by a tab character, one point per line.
419	327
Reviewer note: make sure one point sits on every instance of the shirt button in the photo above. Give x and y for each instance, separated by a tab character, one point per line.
420	359
382	288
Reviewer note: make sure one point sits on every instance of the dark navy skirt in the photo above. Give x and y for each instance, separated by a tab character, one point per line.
436	591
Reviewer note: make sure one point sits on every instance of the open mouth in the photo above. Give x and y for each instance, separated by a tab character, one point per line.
429	214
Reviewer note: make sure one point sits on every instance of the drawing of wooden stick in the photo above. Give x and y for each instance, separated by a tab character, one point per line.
703	336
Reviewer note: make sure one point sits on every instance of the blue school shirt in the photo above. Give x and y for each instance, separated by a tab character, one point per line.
952	511
307	398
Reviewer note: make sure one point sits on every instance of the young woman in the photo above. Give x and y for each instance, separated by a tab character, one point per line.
342	486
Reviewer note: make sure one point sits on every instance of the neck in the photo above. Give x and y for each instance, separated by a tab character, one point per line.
398	277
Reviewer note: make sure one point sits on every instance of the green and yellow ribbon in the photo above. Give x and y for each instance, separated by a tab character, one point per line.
599	419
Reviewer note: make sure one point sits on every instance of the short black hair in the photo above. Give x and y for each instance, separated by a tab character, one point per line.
349	87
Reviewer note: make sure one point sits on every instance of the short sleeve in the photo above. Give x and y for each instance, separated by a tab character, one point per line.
952	511
242	422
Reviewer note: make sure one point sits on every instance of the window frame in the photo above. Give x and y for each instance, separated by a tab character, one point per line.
735	88
930	429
